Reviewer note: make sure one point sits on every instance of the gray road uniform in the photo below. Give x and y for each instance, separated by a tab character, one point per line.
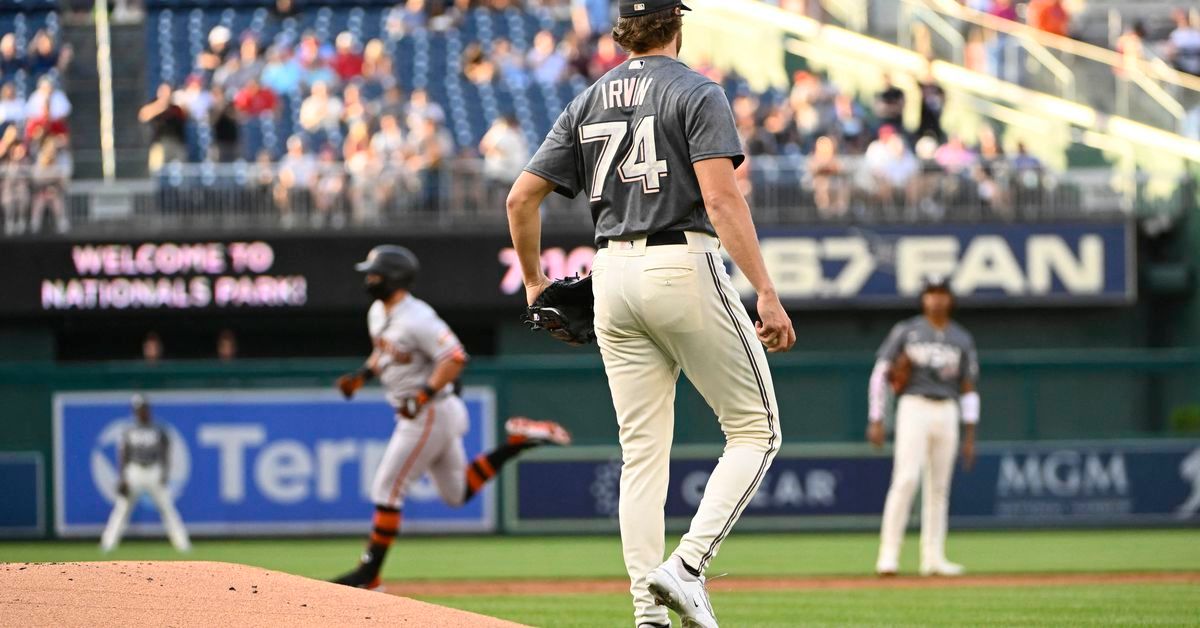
927	419
664	301
144	448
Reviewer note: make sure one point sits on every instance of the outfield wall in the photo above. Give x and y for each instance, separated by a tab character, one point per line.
1028	396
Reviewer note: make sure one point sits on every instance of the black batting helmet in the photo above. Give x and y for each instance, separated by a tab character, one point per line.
396	264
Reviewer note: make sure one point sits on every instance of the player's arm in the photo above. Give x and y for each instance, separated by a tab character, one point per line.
164	444
446	352
351	382
968	405
525	227
892	346
730	215
122	462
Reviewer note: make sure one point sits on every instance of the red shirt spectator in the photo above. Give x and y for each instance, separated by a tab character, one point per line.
347	62
1049	16
255	100
42	126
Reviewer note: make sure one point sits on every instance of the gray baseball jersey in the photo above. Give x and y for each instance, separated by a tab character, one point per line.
647	120
145	445
411	340
942	360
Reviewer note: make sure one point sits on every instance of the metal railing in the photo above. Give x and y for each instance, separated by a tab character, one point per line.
1136	86
462	196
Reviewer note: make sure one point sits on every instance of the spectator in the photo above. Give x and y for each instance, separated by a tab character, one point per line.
46	90
891	167
404	20
505	152
10	60
152	348
930	179
320	113
421	108
428	147
227	346
393	103
249	66
954	157
330	188
194	99
575	55
44	125
388	142
1183	48
51	169
281	74
607	56
933	103
44	57
1002	52
1003	9
378	76
547	64
478	67
297	180
1049	16
218	50
347	62
889	105
1023	161
12	109
283	9
226	132
510	64
168	124
831	194
312	63
850	126
990	153
14	190
255	101
1131	45
354	108
365	168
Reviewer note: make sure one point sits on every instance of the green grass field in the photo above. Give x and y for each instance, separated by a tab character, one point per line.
505	558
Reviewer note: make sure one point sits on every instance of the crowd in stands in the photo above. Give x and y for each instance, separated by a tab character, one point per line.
362	143
35	158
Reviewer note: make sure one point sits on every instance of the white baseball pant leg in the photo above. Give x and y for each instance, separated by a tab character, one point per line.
926	446
660	310
415	446
145	479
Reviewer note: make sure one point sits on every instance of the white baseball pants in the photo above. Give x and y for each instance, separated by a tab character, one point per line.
926	441
432	442
660	310
144	479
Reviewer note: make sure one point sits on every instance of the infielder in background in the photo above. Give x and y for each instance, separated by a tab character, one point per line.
418	360
145	465
654	146
931	364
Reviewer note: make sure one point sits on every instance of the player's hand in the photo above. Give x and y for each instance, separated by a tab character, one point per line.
875	434
535	289
350	383
774	328
122	489
411	405
968	454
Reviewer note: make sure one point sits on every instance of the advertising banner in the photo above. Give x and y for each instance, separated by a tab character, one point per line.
258	463
813	267
1012	485
22	487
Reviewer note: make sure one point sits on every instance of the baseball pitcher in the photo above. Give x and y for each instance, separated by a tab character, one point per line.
931	364
654	146
418	360
144	460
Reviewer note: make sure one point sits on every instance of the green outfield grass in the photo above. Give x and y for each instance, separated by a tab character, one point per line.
1110	605
450	558
808	554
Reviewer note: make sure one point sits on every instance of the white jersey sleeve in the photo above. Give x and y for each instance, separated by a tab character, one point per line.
410	340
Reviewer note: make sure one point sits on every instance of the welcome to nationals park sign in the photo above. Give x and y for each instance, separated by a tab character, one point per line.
1078	264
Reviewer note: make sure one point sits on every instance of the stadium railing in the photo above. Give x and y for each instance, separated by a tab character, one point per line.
462	195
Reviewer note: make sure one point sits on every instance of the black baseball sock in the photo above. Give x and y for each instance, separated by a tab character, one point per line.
486	466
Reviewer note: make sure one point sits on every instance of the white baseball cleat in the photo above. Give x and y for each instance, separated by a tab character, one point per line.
672	586
541	432
944	568
885	568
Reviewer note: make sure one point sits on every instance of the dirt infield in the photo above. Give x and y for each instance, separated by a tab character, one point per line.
104	594
553	587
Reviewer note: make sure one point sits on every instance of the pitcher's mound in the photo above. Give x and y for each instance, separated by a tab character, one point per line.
187	593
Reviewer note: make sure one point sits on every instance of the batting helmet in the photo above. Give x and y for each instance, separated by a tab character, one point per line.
396	264
932	283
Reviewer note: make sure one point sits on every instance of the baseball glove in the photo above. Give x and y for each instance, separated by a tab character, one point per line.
899	373
566	309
